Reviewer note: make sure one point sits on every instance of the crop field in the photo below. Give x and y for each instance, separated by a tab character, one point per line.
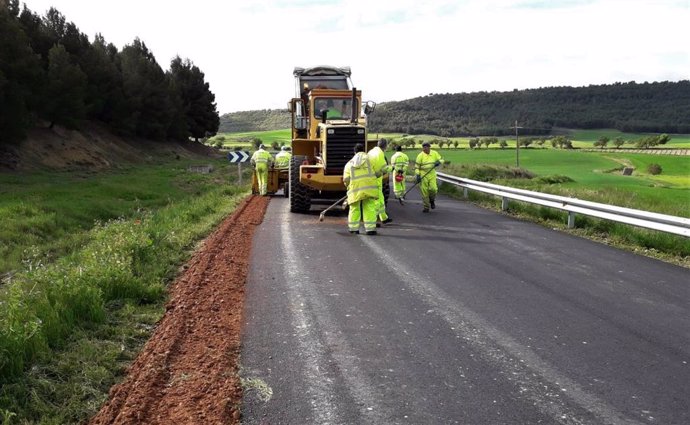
580	139
597	176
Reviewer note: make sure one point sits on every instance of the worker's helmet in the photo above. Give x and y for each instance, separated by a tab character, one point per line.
262	146
283	148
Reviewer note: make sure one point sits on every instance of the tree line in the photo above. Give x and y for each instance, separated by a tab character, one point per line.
50	72
659	107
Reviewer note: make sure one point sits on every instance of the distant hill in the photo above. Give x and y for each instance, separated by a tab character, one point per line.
265	119
631	107
662	107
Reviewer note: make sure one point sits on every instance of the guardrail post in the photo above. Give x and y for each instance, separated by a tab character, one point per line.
465	193
571	220
504	203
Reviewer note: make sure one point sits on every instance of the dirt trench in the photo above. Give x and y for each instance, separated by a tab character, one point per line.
187	373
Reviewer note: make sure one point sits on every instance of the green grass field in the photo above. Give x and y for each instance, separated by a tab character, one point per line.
590	136
49	213
593	178
580	139
91	256
243	140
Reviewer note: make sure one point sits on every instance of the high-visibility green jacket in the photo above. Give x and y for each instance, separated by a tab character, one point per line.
426	163
360	179
283	159
378	161
261	159
400	161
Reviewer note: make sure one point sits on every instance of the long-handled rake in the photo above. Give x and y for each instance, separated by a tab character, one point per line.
415	184
323	213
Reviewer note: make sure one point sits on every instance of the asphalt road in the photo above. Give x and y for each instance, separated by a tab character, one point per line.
460	316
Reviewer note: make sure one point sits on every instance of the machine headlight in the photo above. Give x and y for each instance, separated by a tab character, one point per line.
331	131
360	131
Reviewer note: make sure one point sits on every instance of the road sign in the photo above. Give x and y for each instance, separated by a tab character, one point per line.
238	156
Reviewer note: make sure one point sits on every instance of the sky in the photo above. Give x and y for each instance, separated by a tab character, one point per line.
398	49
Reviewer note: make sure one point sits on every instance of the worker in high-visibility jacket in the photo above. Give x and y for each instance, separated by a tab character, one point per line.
380	164
399	162
261	161
425	171
283	158
362	192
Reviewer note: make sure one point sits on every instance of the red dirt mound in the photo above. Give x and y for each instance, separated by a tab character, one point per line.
187	373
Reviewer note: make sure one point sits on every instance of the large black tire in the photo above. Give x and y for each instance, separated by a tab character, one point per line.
299	194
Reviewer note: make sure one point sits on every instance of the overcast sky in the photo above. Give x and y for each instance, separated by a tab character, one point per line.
398	49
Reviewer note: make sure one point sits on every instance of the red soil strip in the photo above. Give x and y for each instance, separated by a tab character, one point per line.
187	373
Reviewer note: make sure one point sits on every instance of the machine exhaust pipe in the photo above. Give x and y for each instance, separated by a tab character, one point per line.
353	117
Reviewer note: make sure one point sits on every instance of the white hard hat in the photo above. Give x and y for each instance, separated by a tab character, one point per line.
283	148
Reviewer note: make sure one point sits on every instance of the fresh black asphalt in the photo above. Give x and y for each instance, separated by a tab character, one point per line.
459	316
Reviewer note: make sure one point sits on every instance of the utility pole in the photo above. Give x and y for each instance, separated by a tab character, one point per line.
517	146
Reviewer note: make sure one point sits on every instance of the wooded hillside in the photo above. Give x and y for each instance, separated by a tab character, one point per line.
662	107
264	119
631	107
50	72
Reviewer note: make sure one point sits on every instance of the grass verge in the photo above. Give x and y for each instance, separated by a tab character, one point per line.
667	247
69	327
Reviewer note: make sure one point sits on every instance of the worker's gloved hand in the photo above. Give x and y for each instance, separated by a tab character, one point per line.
437	163
419	178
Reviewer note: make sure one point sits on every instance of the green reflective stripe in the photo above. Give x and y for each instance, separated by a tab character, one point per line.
370	223
354	176
261	160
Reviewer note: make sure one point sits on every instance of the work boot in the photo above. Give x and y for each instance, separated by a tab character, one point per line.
402	201
378	224
371	232
354	232
388	220
433	204
425	210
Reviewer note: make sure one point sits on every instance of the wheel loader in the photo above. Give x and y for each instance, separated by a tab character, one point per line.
328	119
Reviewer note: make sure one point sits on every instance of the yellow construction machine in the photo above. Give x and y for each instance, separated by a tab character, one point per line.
328	119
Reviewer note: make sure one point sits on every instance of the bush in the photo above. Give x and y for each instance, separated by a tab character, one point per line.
555	179
654	169
486	172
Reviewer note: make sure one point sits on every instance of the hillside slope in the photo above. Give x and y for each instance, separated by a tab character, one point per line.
93	147
261	120
630	107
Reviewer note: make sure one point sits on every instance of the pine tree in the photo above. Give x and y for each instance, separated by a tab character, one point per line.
20	70
66	89
199	101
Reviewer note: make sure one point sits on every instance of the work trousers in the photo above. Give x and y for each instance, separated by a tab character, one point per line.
366	207
381	203
398	186
262	177
429	189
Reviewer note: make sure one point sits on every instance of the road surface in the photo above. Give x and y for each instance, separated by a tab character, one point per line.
460	316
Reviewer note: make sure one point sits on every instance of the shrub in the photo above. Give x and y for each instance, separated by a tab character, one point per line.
654	169
554	179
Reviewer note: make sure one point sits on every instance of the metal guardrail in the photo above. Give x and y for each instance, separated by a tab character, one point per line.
662	222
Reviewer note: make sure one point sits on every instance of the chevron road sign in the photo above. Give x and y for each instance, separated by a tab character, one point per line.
239	156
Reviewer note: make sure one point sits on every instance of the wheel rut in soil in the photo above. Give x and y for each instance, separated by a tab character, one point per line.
187	372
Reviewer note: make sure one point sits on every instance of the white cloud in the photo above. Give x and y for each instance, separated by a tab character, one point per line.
399	49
